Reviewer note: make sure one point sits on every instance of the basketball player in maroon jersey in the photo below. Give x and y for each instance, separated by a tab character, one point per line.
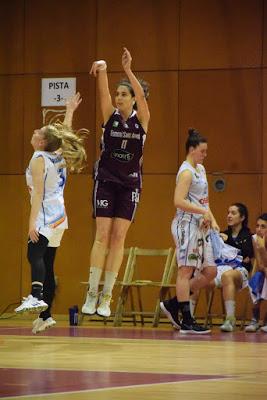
117	177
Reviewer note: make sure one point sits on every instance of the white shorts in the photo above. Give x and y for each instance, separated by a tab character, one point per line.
193	246
224	268
54	235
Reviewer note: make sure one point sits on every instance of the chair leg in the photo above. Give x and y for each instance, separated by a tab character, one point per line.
140	305
132	306
120	307
210	296
243	315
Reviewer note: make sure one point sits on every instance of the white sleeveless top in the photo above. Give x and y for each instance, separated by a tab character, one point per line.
52	213
198	190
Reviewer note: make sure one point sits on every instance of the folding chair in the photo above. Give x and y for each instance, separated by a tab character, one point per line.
131	281
128	252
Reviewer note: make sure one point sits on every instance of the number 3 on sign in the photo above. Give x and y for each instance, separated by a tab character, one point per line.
124	144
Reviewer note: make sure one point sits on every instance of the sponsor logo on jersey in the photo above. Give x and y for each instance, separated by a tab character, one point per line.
102	203
204	201
122	155
115	124
193	256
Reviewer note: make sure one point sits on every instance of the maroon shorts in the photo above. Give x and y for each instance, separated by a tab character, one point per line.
110	199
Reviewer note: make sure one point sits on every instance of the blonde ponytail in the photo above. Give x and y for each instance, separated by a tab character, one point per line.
60	136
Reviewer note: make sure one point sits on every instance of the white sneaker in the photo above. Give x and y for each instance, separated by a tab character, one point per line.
31	304
252	327
39	325
228	325
264	328
89	306
104	307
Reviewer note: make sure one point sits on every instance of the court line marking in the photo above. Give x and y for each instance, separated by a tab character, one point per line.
29	396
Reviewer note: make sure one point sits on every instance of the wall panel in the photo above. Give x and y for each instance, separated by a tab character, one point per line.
264	121
226	107
11	124
148	28
59	36
11	188
264	193
264	56
12	37
220	34
241	188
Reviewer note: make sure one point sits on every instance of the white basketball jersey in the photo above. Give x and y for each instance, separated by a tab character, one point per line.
198	191
52	213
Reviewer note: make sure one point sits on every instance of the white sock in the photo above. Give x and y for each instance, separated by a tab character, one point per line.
110	279
230	308
94	278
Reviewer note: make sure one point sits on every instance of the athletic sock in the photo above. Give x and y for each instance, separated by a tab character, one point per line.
110	279
94	278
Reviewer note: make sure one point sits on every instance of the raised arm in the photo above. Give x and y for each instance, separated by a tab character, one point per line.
99	70
37	170
72	103
142	106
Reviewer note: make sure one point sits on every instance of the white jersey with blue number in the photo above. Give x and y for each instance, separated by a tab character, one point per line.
52	214
198	191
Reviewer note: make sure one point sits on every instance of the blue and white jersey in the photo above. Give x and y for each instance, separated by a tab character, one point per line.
52	213
198	193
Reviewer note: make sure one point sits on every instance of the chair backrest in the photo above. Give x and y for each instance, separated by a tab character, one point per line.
138	253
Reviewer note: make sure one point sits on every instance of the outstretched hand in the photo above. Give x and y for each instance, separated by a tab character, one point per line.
97	66
126	59
72	103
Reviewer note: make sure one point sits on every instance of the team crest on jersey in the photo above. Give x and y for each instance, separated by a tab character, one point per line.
136	125
115	124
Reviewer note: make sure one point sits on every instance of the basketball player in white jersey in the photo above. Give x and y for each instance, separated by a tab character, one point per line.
56	148
190	229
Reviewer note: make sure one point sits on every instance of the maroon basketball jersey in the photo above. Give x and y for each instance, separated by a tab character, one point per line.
121	151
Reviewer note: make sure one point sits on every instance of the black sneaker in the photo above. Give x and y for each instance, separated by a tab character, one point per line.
193	327
171	312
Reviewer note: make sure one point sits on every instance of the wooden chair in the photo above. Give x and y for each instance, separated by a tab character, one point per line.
131	281
128	255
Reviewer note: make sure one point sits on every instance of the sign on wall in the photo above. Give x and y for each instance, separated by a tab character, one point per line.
55	91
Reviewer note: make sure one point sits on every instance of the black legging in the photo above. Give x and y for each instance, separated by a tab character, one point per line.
42	260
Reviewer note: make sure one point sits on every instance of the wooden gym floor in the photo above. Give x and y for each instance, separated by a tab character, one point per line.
96	362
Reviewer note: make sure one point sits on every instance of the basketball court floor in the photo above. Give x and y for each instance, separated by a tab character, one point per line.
101	362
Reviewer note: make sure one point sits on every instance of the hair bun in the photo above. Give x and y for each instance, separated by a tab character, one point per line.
192	132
